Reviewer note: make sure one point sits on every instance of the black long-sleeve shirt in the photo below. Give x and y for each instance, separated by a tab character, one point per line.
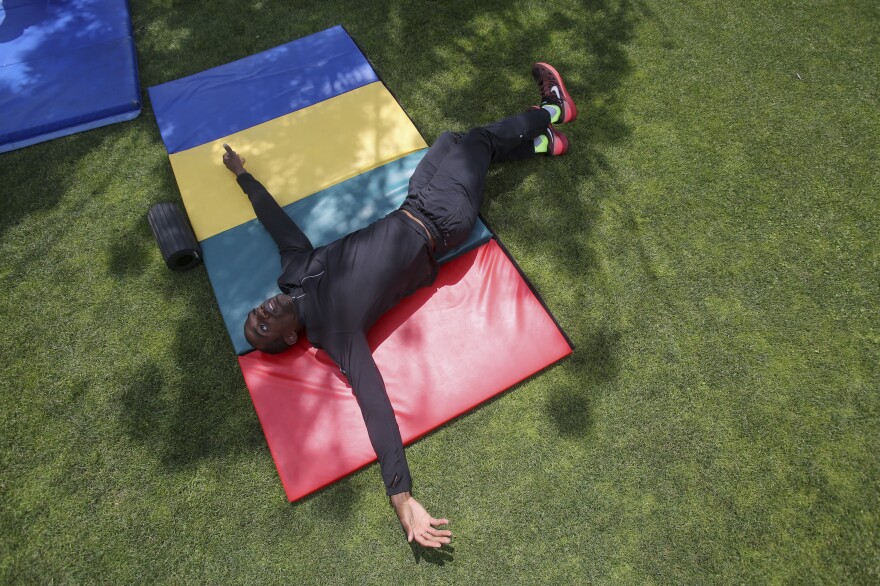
340	290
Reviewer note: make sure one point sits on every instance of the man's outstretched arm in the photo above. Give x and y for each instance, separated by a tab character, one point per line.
283	230
353	355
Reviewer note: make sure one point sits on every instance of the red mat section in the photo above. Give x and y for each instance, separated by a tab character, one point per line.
444	350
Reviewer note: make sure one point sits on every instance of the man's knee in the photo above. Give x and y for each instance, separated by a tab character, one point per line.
477	135
446	141
435	156
449	136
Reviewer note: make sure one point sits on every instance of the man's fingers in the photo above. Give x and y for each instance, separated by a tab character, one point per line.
439	521
428	542
228	149
430	537
435	539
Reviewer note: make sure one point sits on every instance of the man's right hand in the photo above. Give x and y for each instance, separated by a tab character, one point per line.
417	523
232	161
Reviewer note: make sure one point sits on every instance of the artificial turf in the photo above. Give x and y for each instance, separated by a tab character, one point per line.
710	244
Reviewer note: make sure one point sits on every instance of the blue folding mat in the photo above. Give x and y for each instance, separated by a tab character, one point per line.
333	146
65	66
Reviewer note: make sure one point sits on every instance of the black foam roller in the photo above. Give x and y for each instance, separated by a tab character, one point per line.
174	236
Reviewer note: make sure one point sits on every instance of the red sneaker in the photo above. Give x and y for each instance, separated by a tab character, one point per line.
553	91
558	142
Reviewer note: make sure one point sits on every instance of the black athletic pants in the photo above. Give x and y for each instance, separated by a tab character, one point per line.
446	189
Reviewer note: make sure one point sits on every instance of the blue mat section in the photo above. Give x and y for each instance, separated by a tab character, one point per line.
243	262
65	66
195	110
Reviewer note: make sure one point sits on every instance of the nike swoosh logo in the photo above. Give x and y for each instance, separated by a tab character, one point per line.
555	90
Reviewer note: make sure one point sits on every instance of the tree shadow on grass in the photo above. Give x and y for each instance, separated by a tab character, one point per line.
50	184
197	409
130	256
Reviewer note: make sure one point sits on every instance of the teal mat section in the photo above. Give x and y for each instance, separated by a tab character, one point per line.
243	262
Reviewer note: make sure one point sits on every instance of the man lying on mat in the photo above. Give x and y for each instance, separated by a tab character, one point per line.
335	293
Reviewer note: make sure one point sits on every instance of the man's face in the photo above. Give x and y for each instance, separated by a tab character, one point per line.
274	318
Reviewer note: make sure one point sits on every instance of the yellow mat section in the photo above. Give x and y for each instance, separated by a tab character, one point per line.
295	155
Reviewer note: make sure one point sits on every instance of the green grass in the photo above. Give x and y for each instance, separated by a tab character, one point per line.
710	244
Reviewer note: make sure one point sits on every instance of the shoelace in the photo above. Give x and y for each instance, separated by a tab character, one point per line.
547	81
545	84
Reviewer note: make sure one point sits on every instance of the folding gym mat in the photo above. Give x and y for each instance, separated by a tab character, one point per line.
65	66
328	140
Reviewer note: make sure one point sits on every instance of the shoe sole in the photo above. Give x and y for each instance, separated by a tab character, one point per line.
570	108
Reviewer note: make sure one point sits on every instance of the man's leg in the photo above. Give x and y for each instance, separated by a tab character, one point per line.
451	197
431	161
447	188
464	168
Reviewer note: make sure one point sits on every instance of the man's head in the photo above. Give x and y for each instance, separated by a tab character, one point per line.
273	326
